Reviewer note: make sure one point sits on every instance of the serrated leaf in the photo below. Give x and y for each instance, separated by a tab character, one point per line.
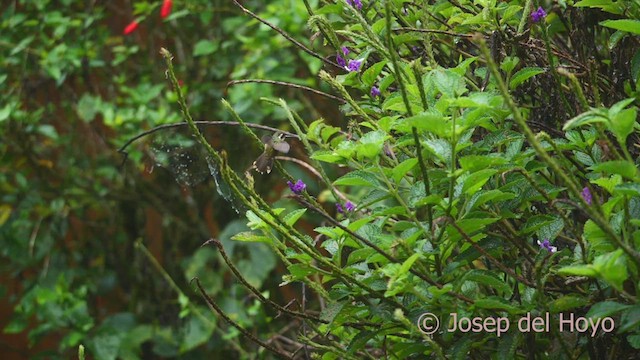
370	75
293	216
331	311
482	197
509	344
476	181
431	121
370	145
403	168
629	189
301	270
357	178
488	278
629	320
497	303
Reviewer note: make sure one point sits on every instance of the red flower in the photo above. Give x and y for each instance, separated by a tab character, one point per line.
131	27
165	10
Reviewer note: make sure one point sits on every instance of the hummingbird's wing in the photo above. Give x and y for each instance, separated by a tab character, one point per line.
266	139
281	146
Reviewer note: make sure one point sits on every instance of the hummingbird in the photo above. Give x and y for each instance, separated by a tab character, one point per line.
272	144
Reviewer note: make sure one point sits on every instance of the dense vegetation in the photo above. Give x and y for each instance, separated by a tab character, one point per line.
451	179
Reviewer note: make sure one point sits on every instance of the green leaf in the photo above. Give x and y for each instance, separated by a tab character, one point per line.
370	145
629	319
5	112
629	189
469	226
88	107
579	270
588	117
617	107
476	181
482	197
300	270
327	156
605	5
249	236
634	341
566	303
293	216
622	124
628	25
606	308
523	75
205	47
431	121
509	344
621	167
473	163
610	267
488	278
403	168
370	75
497	303
196	332
406	265
357	178
448	82
332	310
106	345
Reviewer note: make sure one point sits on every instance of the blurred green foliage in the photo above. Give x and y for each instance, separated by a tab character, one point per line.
464	170
75	89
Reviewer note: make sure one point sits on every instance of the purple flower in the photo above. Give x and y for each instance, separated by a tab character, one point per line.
340	61
348	207
354	65
355	3
345	50
546	244
375	92
298	187
538	14
586	195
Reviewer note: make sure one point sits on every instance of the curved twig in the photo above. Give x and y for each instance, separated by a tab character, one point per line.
287	36
122	151
244	331
282	83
